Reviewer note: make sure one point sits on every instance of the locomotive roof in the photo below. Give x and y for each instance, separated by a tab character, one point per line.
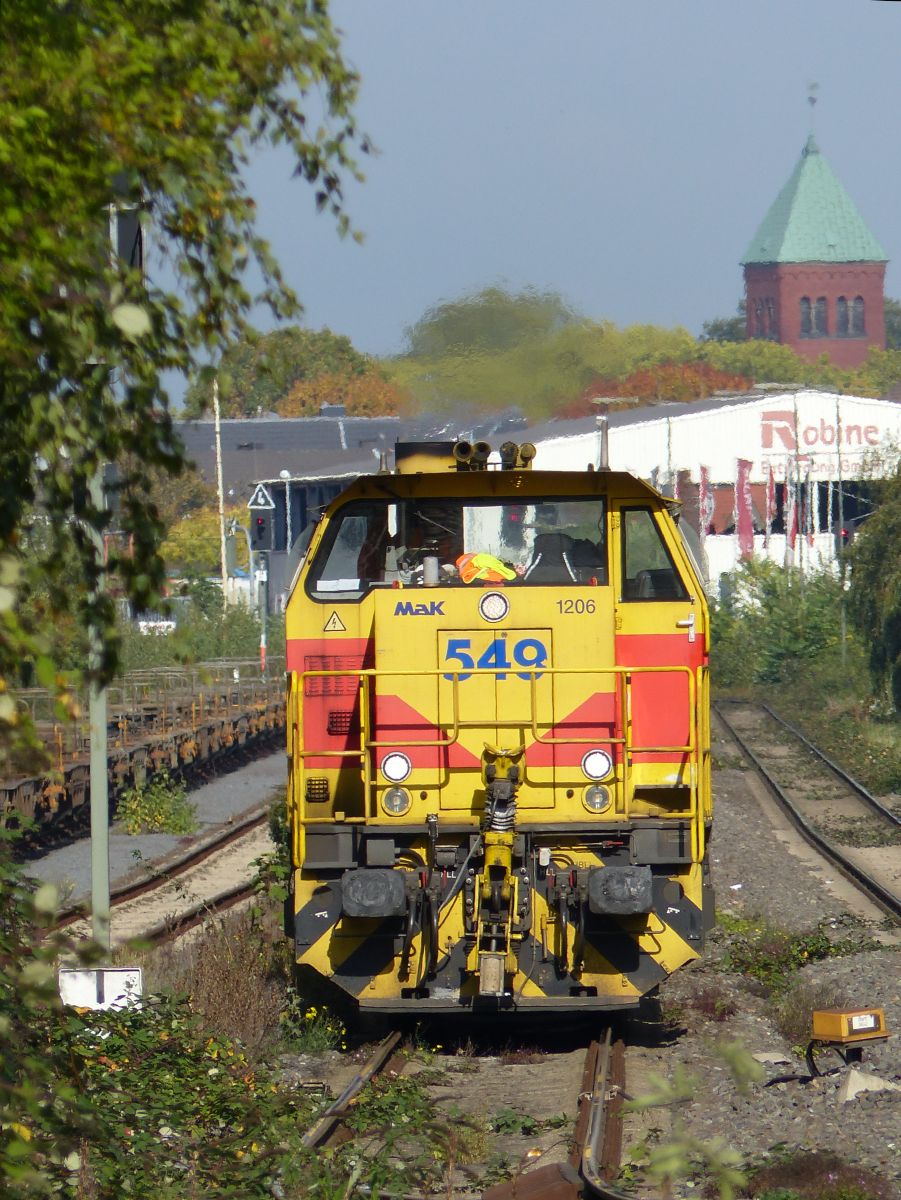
510	484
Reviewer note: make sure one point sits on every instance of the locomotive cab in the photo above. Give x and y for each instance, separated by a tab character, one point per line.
500	782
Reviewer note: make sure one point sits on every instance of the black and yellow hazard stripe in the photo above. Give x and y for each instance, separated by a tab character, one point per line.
621	959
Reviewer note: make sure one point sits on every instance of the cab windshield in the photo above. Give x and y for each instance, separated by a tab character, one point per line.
441	543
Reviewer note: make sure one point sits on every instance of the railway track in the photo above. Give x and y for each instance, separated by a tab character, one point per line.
595	1145
855	831
212	876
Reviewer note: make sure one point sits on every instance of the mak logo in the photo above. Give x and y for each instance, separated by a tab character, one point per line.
406	608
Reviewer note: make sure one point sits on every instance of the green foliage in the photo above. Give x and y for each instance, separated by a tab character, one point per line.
259	371
203	636
391	1102
533	355
309	1029
178	1109
160	805
488	322
159	106
892	324
726	329
508	1120
874	596
795	1005
772	955
758	359
771	623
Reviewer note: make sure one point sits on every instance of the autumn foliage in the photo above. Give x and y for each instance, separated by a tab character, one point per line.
676	382
369	394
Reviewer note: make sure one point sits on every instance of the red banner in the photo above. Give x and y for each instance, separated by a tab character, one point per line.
744	512
705	502
770	506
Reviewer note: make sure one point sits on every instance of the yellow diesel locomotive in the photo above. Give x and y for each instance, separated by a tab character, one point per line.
498	733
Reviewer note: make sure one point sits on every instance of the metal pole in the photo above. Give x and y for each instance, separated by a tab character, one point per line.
221	493
99	768
264	606
841	529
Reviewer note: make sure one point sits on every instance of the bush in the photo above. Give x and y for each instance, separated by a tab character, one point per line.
159	806
771	622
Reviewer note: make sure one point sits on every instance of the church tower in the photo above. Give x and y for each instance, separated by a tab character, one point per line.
814	274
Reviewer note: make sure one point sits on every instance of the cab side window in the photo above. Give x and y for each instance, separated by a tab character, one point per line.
649	572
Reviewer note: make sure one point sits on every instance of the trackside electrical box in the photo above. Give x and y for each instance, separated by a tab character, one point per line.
848	1025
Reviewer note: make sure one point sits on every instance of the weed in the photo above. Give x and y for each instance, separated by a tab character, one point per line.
816	1175
728	762
234	974
509	1121
712	1002
795	1006
160	805
521	1055
772	955
392	1103
860	831
498	1168
309	1029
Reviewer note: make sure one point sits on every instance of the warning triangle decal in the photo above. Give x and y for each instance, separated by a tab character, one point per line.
335	625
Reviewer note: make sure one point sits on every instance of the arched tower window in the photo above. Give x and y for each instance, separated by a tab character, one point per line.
820	324
858	325
759	329
806	325
771	329
842	327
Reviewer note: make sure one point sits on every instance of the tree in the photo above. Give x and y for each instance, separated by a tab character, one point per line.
494	351
258	372
726	329
489	321
874	594
892	324
157	104
665	382
372	394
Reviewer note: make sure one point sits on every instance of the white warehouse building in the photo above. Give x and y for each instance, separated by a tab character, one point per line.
793	459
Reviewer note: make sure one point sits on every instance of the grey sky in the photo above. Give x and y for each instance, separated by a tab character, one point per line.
619	153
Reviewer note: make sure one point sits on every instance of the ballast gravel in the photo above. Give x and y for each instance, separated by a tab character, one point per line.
711	1012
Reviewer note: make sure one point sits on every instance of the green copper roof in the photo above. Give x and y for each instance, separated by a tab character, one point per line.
813	219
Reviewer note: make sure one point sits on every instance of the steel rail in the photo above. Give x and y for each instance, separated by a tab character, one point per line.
852	783
327	1120
602	1147
161	876
881	896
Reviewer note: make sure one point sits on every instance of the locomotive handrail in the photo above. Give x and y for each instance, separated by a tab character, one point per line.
457	724
623	674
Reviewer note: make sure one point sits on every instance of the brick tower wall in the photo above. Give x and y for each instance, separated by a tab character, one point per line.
774	291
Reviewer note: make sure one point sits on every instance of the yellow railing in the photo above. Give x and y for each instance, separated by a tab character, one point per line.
624	675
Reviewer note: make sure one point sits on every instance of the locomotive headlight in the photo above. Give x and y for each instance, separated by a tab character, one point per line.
596	764
596	798
494	606
396	801
396	767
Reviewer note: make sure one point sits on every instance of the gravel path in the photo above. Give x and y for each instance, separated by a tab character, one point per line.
757	873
